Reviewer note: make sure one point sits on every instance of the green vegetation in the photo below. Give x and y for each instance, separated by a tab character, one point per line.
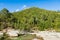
5	37
26	37
31	18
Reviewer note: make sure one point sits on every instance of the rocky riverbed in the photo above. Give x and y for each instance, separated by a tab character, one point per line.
46	35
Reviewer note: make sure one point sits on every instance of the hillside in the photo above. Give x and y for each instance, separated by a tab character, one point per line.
37	18
30	19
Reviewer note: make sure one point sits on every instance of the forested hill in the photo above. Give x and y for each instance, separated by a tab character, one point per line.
30	19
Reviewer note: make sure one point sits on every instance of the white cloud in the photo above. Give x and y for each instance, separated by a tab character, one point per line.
17	10
24	6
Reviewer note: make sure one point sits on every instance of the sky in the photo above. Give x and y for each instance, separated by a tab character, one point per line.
16	5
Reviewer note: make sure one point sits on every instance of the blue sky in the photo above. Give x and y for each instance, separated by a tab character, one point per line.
15	5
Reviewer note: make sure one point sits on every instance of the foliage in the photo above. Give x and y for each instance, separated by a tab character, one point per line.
29	19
